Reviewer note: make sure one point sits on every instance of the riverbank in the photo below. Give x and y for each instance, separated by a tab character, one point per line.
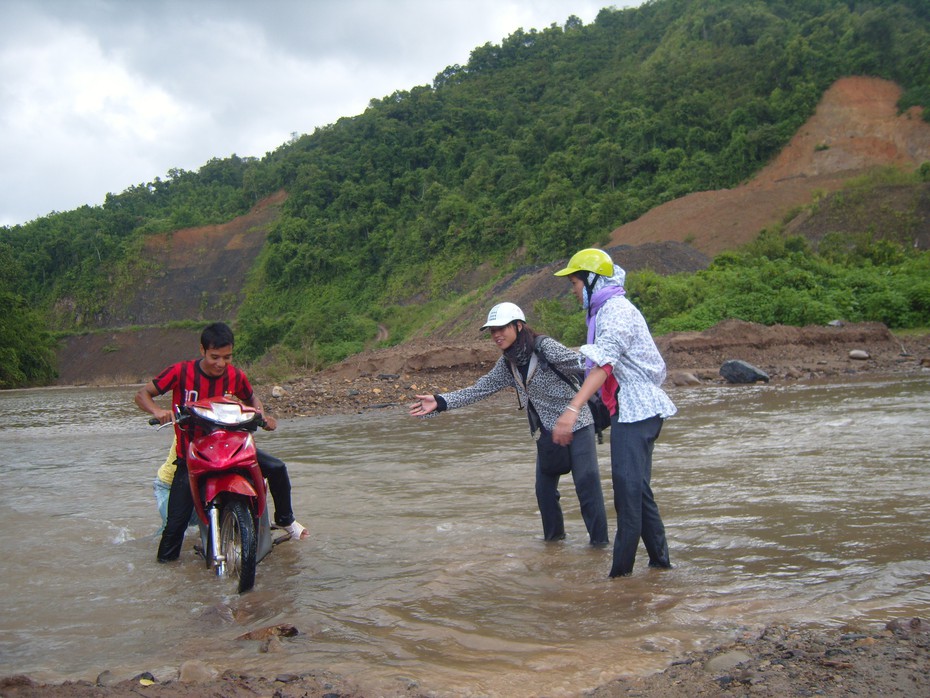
778	661
393	376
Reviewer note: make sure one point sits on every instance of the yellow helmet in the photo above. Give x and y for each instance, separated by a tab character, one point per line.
590	259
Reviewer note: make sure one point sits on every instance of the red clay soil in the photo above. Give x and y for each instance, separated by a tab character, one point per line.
200	272
855	128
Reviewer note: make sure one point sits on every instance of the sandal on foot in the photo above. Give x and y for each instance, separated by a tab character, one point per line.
296	531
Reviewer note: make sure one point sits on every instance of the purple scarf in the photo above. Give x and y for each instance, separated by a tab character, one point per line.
598	298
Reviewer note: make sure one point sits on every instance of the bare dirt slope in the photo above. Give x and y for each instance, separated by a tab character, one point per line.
199	274
856	127
201	271
528	285
123	358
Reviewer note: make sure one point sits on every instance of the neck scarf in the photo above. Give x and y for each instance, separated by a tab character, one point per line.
598	298
521	351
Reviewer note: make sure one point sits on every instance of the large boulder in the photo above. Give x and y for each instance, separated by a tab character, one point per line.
736	371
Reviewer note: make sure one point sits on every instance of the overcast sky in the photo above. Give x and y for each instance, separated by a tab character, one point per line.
100	95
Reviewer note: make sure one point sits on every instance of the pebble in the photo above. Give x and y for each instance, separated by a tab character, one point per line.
727	661
106	678
195	671
683	378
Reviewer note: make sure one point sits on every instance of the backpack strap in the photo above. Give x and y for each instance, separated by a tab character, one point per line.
544	363
536	362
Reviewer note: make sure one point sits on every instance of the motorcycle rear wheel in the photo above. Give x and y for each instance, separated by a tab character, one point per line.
239	543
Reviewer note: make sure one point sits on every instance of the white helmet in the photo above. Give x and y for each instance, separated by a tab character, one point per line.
503	314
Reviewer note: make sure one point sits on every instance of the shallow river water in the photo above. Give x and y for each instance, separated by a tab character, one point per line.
797	504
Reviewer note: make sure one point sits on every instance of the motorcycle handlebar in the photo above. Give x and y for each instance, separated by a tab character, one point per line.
184	416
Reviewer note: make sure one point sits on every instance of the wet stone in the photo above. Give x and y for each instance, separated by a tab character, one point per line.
727	661
737	371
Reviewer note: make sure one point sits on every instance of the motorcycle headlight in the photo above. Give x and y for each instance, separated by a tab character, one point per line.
224	413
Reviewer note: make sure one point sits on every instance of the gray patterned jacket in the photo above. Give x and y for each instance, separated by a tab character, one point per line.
548	393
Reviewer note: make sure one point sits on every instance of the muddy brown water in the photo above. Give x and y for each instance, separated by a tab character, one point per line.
795	504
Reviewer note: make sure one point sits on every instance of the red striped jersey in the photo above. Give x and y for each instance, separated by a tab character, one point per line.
188	383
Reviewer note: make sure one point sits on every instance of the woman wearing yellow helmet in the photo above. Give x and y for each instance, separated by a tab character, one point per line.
624	363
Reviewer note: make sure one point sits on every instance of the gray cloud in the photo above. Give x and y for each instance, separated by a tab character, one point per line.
99	95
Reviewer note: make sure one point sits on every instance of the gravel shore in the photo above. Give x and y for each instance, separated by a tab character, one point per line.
780	661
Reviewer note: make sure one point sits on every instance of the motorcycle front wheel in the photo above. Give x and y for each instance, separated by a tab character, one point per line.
239	543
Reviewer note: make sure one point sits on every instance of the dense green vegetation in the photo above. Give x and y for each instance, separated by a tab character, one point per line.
26	349
779	280
782	279
536	147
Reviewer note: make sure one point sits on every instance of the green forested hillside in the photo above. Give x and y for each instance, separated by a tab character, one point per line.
539	145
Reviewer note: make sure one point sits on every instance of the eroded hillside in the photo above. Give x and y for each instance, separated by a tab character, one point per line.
200	272
855	128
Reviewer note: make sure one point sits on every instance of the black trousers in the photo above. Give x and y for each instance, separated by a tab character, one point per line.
181	503
631	445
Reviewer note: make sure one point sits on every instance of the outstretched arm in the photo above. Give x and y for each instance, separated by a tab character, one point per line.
423	406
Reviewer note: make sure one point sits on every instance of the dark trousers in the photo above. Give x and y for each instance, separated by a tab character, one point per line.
583	455
181	502
631	445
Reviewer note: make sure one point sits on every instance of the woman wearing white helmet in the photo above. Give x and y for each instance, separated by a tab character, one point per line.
531	364
625	365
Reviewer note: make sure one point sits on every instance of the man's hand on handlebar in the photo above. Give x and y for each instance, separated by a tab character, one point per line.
163	416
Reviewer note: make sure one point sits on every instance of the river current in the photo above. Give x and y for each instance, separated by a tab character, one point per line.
783	504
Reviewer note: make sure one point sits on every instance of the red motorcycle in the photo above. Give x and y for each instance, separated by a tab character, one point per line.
227	485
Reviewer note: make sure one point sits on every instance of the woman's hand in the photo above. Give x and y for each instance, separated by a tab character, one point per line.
562	433
423	406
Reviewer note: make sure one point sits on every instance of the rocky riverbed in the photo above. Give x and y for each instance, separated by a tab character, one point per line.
775	661
392	376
